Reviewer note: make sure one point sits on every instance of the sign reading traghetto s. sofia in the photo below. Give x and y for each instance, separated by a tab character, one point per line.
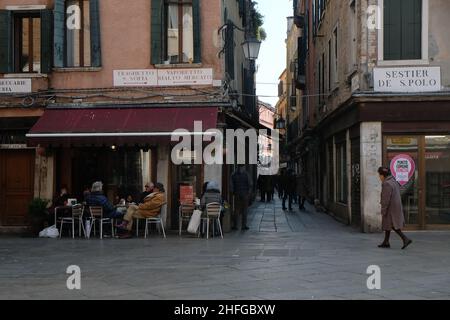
163	77
411	79
15	86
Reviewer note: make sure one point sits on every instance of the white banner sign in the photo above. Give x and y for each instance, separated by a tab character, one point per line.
163	77
411	79
135	78
15	86
182	77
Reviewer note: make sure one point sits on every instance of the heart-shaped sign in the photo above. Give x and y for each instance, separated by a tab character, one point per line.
403	168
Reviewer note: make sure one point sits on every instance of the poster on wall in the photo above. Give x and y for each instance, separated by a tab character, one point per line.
186	194
403	168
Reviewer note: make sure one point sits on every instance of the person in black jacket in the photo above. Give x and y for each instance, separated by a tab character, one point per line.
97	199
289	185
241	188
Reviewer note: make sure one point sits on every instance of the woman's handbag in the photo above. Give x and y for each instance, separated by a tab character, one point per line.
194	223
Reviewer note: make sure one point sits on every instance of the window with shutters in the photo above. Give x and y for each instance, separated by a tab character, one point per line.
402	30
175	31
179	31
25	44
76	34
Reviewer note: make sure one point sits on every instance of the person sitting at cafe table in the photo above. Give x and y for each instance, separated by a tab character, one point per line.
212	194
97	199
148	190
60	200
150	208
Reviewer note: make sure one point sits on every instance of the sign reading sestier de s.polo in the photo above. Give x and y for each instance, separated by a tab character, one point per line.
410	79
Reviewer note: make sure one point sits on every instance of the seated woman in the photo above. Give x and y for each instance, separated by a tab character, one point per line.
212	194
97	199
150	208
60	200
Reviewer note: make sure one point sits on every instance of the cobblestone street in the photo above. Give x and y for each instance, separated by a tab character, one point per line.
284	255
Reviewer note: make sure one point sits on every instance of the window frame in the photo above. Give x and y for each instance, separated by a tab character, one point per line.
81	49
180	4
425	41
16	46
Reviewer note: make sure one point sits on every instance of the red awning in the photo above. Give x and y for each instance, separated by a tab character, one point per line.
117	126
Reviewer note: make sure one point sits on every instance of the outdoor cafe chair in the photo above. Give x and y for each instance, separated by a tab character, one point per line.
157	220
213	212
185	212
97	215
77	214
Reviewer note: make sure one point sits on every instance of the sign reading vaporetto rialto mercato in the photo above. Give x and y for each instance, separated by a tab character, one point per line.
408	79
15	86
163	77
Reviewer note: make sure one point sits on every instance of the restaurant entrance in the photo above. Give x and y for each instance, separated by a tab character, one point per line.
426	193
119	169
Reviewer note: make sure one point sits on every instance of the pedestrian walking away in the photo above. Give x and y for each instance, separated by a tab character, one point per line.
241	187
391	209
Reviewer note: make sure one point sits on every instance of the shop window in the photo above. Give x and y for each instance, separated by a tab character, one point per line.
402	29
25	42
77	34
341	173
175	31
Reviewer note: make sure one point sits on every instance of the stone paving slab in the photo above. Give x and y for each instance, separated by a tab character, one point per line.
284	255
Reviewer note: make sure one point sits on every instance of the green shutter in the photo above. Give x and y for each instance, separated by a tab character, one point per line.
5	41
392	30
59	33
46	41
157	25
96	48
197	31
411	29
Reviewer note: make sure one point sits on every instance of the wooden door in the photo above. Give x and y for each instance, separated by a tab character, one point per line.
17	185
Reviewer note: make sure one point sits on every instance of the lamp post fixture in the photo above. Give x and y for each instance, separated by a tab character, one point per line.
251	48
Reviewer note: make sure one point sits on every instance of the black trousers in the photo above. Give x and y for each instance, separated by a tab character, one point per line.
287	196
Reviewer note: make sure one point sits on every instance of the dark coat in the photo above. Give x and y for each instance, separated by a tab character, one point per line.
391	205
241	184
98	199
289	183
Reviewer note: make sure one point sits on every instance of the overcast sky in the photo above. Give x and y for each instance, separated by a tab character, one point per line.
272	57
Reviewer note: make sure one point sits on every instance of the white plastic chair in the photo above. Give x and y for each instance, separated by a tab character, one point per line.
213	212
157	220
77	214
97	215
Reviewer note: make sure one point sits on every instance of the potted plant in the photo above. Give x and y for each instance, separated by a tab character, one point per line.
37	212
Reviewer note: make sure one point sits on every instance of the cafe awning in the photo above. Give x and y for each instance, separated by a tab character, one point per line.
130	126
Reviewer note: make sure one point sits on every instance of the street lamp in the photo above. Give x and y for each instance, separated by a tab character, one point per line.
251	48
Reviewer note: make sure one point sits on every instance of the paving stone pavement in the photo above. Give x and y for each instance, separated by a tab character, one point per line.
284	255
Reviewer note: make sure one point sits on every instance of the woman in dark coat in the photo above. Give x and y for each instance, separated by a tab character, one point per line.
391	209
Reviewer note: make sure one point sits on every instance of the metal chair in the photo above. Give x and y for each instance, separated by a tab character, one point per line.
97	215
157	220
77	214
185	212
213	212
